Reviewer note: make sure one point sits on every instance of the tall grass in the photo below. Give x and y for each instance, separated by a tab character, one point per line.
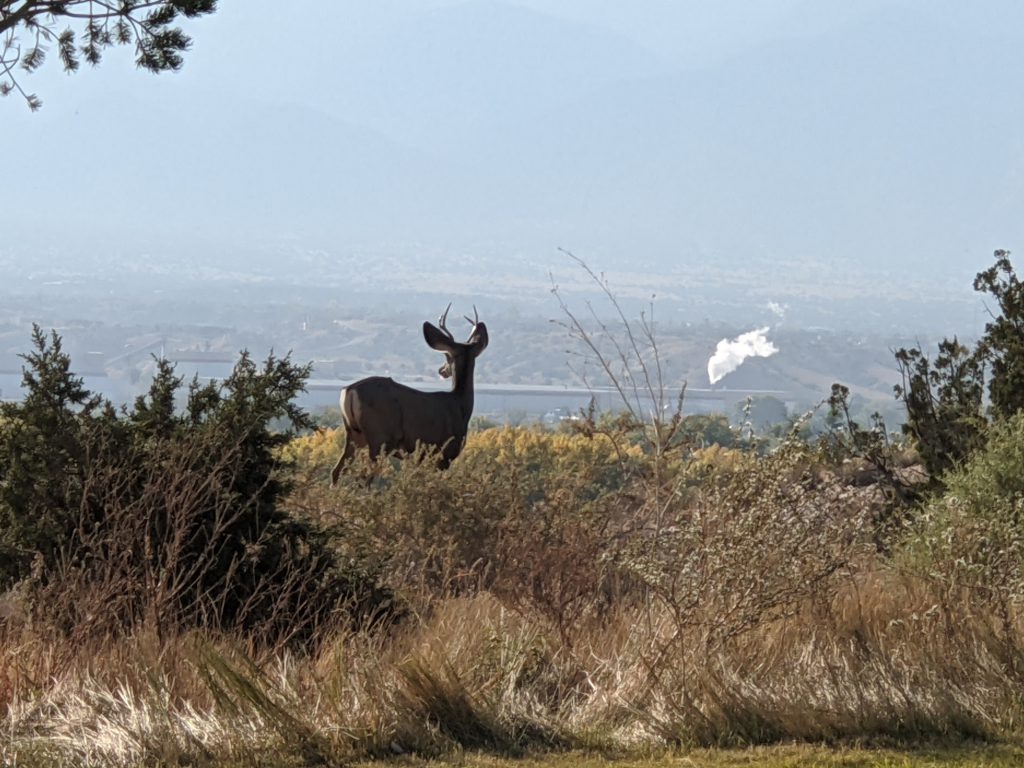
552	591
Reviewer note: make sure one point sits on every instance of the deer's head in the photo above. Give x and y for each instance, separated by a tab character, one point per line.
458	355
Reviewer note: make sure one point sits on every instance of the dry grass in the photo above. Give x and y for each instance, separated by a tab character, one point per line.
553	601
476	676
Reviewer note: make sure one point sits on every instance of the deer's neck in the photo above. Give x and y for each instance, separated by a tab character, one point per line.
462	386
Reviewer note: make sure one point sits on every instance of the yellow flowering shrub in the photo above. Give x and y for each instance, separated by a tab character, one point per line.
567	524
524	512
535	450
314	453
553	452
715	457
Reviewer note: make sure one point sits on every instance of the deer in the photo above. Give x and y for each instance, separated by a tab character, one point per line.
383	416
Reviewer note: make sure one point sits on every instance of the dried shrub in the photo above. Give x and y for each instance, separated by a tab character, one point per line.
749	544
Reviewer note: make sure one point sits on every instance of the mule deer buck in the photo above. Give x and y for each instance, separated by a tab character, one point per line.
383	416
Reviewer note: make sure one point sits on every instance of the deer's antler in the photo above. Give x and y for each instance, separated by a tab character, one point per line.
476	318
441	322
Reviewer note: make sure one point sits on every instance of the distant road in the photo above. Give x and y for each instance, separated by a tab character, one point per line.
499	390
554	390
497	398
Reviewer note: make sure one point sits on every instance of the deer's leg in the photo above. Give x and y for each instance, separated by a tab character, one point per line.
346	457
375	451
450	451
443	457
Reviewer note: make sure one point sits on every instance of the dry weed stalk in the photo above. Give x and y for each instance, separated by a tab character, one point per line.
633	367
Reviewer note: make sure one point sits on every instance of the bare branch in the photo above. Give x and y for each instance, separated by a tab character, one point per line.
638	351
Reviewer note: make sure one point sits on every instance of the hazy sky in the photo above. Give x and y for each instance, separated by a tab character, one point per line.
253	47
882	134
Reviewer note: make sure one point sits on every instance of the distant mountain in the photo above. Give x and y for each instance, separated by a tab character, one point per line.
893	142
156	169
887	139
396	136
462	77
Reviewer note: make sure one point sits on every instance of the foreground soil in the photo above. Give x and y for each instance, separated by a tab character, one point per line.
960	756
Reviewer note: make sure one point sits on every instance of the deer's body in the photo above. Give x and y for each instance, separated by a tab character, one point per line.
383	416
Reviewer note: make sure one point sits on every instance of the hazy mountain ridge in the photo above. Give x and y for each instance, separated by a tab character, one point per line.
866	151
825	147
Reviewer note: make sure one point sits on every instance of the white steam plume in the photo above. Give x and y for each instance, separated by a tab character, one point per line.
730	354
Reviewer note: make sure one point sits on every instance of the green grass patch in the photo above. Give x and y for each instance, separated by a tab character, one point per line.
797	756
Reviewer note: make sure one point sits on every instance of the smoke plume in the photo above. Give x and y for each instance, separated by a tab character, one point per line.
730	354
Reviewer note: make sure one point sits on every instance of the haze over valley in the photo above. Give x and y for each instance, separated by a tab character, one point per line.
324	181
115	321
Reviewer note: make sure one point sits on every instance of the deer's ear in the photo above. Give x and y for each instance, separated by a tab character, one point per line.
478	341
436	339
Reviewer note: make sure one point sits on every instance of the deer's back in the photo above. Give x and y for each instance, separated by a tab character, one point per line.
396	416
